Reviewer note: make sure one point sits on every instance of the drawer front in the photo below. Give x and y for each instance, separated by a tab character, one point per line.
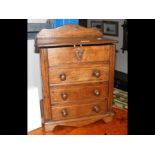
63	55
62	94
70	112
64	75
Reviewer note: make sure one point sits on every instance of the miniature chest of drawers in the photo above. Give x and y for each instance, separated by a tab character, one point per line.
77	70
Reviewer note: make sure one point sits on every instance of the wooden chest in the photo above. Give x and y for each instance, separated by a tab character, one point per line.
77	68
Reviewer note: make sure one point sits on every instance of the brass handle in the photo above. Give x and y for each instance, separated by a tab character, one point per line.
64	96
96	109
96	92
79	53
64	112
96	73
62	77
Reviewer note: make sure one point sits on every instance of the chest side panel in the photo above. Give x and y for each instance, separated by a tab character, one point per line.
45	85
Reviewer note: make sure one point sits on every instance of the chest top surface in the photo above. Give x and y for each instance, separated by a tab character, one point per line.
70	35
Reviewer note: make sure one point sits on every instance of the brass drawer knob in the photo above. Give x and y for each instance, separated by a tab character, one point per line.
62	77
64	112
96	92
96	109
64	96
96	73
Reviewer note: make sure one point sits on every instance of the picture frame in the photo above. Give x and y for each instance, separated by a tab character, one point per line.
110	28
97	24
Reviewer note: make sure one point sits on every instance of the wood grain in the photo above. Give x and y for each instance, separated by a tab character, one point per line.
72	71
79	110
118	126
78	74
45	85
70	35
78	92
111	76
78	122
69	31
64	55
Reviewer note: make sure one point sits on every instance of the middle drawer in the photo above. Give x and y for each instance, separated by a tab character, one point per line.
65	93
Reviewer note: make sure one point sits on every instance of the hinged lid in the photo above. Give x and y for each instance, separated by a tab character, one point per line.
67	35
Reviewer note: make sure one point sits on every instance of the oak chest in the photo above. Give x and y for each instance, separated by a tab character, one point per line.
77	68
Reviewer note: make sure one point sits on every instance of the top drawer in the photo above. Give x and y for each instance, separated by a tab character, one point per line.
65	55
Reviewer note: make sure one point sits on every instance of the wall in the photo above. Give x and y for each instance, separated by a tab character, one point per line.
34	85
34	74
34	88
121	58
37	20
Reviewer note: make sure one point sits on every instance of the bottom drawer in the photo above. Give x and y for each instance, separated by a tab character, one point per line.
69	112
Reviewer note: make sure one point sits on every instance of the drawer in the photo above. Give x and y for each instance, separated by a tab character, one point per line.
63	55
62	94
70	112
69	75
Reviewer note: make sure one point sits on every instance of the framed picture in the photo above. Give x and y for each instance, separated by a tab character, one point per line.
110	28
97	24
